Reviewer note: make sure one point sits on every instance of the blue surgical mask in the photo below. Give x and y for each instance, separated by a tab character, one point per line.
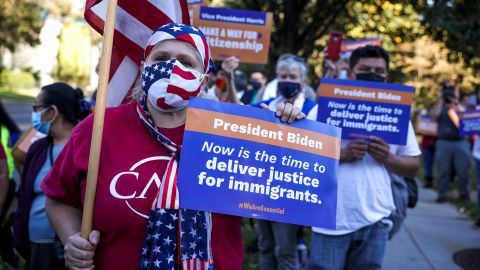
342	75
38	124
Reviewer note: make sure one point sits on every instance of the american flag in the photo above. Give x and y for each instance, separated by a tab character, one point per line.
176	80
162	230
135	22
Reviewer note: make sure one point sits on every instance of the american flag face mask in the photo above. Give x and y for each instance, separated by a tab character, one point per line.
175	238
169	84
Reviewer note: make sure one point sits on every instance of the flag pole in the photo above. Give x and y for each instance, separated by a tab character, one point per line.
94	159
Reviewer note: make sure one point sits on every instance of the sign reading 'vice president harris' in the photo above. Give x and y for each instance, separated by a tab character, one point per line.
234	32
242	161
363	109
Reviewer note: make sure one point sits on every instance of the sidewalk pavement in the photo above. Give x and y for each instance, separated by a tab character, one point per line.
432	233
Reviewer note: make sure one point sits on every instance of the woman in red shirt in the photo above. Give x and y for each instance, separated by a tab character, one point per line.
138	162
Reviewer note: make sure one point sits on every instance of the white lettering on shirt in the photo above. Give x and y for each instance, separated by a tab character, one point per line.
118	179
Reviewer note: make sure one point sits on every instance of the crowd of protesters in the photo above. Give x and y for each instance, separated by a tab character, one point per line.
45	220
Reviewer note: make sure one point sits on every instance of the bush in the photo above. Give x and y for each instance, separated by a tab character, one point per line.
16	80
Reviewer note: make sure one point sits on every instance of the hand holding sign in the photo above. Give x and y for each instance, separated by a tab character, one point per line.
286	112
354	151
378	149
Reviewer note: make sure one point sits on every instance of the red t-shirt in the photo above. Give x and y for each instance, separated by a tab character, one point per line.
2	152
132	163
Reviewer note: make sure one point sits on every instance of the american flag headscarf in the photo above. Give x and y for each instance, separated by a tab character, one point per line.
175	238
187	33
168	85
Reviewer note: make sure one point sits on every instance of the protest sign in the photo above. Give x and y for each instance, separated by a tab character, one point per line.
349	45
233	32
20	149
363	109
191	6
469	122
426	126
242	161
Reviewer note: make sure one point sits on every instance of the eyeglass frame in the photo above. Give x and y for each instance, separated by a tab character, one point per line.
36	107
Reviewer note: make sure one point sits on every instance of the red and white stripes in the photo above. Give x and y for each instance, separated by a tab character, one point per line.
135	22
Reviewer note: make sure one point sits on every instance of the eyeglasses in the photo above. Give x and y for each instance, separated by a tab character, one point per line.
36	107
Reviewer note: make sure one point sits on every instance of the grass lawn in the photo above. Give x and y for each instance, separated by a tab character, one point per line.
17	85
18	95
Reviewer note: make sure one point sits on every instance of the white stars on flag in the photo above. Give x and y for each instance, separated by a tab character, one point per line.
176	28
161	246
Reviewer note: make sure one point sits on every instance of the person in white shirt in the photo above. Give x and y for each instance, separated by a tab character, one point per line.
365	198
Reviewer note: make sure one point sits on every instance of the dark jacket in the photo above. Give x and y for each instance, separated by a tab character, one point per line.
36	157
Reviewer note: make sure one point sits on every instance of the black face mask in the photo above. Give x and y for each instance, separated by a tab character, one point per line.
370	76
289	89
255	85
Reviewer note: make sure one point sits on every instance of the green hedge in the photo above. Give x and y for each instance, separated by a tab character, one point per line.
16	80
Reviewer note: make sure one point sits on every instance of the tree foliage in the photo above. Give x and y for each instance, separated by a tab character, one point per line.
20	23
425	64
455	23
417	58
297	25
426	50
74	54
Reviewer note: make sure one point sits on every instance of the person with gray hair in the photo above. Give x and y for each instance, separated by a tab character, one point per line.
271	89
277	241
291	78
